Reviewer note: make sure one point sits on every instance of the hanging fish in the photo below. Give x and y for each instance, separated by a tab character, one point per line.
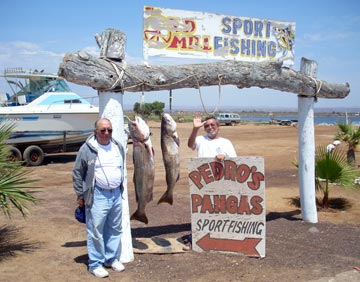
170	150
144	169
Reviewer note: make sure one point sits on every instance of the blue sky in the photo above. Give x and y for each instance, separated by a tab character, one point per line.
37	34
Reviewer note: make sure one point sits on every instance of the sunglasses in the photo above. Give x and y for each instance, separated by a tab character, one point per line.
106	129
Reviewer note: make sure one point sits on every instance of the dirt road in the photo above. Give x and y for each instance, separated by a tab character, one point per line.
50	245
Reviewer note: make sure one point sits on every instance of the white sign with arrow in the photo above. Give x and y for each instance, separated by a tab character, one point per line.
228	205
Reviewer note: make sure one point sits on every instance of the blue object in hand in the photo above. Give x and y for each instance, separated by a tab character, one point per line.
80	214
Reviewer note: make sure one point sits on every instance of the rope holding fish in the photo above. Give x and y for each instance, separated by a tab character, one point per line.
220	76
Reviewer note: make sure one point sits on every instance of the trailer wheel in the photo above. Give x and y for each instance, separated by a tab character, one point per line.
15	155
33	156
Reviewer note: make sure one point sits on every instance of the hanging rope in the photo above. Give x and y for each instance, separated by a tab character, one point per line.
220	76
142	104
202	102
120	74
318	84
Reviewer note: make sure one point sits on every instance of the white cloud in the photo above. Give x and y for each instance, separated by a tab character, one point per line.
22	48
28	55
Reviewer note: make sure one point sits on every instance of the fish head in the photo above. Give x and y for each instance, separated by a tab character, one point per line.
139	129
168	124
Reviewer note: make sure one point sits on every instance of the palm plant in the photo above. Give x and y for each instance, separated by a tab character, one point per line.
15	188
350	134
332	167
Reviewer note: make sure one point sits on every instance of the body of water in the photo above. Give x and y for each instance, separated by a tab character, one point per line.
317	120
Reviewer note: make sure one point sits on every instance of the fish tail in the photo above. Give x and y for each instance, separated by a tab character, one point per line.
140	216
166	198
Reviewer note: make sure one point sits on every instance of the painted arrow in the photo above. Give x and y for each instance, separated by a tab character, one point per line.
246	246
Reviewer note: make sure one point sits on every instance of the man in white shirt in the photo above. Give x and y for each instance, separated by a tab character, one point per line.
211	144
98	177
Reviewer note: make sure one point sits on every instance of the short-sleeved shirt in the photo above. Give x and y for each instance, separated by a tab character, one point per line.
208	148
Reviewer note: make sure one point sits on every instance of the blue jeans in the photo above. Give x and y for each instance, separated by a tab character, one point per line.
103	225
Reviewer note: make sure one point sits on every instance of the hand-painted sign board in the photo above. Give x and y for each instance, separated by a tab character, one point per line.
200	35
228	205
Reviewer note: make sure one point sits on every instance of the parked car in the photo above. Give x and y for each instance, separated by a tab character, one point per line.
228	118
292	122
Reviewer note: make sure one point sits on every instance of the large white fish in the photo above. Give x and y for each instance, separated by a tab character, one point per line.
144	170
170	143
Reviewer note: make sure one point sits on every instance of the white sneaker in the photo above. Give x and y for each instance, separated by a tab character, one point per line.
99	272
116	266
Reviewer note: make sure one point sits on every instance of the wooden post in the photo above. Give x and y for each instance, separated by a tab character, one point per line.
110	106
307	148
112	44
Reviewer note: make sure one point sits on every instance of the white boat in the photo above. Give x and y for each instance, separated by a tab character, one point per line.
48	117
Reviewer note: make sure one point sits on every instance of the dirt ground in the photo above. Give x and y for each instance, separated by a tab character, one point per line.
50	245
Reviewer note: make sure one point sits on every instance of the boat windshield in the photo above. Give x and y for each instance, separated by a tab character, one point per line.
35	86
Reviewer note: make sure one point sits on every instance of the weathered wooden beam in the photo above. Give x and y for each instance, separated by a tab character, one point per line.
107	75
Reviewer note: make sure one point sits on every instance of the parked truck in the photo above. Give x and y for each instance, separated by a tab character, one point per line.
228	118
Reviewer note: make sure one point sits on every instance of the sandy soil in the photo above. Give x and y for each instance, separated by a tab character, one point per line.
50	245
